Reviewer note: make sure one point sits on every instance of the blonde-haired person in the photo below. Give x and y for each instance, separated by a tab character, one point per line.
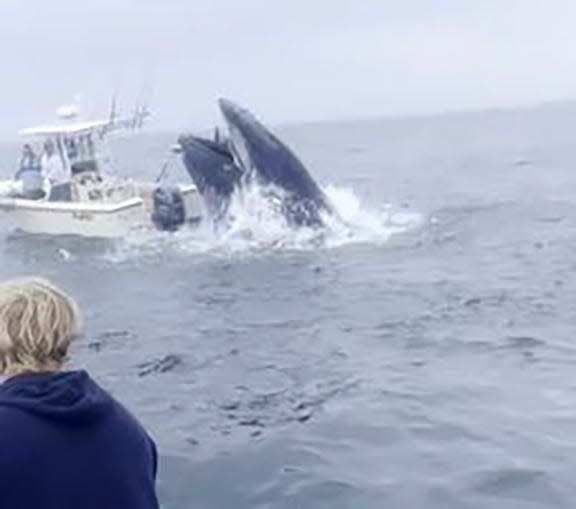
64	442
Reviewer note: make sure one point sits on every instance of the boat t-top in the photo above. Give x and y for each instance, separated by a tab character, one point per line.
60	188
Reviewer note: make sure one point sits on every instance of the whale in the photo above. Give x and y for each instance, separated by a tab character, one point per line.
252	155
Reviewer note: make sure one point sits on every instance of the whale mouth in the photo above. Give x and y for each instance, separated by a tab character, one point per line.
240	151
253	156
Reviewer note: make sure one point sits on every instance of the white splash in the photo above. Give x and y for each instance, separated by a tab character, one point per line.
256	225
65	254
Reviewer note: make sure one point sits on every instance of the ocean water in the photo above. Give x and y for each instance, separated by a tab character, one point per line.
419	353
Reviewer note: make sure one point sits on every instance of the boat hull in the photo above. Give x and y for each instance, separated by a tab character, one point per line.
89	219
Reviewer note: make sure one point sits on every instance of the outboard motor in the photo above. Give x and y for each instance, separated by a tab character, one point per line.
169	212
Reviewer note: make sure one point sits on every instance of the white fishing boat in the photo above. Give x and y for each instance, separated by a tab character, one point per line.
87	201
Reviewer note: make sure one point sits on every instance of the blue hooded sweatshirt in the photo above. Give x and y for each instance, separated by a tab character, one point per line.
65	443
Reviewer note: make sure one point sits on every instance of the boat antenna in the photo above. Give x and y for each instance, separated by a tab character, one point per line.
113	111
141	111
111	117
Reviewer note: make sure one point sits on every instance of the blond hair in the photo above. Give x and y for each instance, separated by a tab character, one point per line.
37	324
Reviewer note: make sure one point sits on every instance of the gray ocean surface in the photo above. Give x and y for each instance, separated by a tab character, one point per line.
430	364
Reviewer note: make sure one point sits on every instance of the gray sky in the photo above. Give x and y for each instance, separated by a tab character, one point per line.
290	60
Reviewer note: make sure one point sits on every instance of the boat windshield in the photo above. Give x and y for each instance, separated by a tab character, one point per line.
81	153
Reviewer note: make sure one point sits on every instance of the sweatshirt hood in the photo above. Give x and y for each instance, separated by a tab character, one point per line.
70	396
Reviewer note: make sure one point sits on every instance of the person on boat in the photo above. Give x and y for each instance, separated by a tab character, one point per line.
52	164
28	160
55	172
64	441
29	175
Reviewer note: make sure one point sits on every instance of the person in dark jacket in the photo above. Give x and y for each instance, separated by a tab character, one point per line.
65	443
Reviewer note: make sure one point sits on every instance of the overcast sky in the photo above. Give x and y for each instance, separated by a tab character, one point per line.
289	60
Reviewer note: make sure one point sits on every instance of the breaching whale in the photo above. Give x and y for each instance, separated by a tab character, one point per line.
252	155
